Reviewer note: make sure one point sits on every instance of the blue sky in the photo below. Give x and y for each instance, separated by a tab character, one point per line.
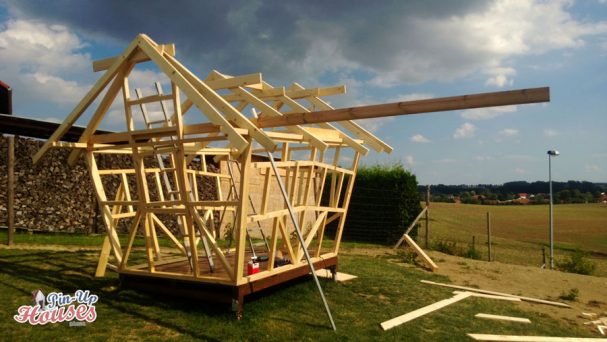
390	51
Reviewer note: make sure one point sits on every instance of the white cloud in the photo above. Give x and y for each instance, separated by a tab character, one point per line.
144	79
444	161
508	132
373	125
500	76
484	158
416	41
486	41
410	97
418	138
520	157
52	119
549	133
409	160
520	171
43	62
466	130
592	168
487	113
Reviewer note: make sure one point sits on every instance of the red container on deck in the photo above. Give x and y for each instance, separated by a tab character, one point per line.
253	266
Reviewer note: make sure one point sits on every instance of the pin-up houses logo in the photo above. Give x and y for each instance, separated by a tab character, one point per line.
58	307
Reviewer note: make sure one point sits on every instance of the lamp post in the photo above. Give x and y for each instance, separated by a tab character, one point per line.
551	153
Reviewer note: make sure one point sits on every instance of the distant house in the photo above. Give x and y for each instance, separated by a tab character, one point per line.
522	195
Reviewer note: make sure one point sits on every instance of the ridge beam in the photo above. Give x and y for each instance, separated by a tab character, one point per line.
138	57
501	98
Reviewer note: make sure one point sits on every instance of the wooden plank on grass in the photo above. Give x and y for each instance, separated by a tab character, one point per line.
422	311
503	318
526	299
482	295
514	338
339	277
421	252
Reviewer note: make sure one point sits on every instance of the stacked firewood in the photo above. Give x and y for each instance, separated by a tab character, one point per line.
52	196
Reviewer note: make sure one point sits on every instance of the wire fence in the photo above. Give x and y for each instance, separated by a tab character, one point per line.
512	234
378	215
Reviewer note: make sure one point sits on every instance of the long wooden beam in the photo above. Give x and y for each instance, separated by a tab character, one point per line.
517	338
316	117
501	98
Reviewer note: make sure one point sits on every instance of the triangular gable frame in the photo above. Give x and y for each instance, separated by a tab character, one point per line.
198	93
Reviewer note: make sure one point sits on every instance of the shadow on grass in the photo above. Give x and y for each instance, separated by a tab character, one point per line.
70	271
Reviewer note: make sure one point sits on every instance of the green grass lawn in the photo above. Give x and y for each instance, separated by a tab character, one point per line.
383	290
520	232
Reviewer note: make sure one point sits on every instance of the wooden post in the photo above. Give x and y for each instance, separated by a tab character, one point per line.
10	189
489	236
473	243
427	213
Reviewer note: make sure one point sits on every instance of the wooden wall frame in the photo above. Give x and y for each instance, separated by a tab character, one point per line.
169	155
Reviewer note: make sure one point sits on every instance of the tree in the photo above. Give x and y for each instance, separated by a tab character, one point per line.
564	196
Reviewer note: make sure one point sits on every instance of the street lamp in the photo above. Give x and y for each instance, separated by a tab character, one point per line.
551	153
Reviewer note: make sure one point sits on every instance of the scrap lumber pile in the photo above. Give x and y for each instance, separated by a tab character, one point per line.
599	322
466	292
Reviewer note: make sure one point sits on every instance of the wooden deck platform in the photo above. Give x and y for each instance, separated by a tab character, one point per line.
202	290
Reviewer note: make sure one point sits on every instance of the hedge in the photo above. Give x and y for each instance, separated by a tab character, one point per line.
384	203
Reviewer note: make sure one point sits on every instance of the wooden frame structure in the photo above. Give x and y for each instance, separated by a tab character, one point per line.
169	166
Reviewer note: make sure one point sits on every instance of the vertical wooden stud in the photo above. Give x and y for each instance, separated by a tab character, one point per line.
346	203
241	219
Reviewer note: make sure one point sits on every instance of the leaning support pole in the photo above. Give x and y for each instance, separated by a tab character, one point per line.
300	237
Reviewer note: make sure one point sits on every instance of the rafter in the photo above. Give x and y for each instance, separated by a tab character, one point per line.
370	139
199	101
88	98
